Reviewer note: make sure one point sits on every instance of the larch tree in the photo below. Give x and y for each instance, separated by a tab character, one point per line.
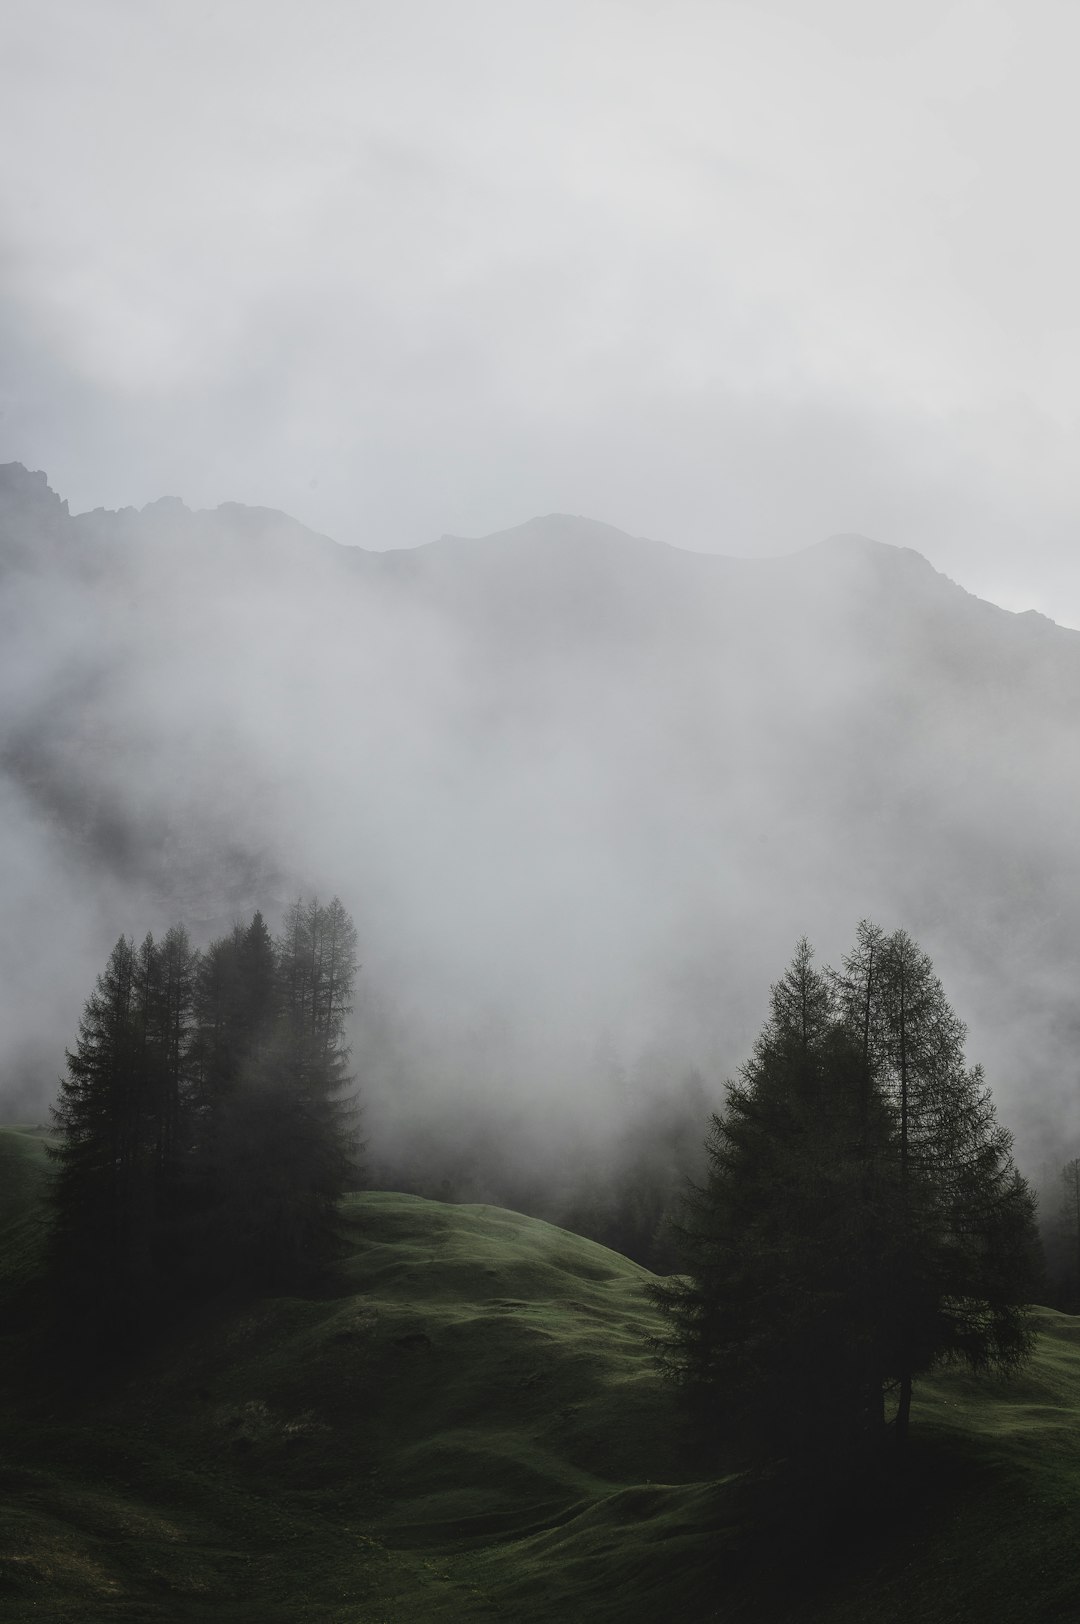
964	1249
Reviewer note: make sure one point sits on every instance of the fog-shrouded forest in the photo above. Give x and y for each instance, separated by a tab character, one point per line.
539	878
581	792
469	873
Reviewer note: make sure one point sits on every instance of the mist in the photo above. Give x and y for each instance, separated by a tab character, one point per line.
533	533
736	279
736	276
582	793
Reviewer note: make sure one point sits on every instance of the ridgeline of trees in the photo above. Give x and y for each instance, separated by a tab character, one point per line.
205	1134
861	1219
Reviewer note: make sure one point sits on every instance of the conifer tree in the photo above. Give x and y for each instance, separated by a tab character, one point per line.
102	1163
963	1245
205	1135
283	1134
258	994
862	1218
174	1032
768	1323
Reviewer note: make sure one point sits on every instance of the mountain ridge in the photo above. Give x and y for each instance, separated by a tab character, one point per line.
570	538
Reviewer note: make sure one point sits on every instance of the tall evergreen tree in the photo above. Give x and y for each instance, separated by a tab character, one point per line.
174	1031
963	1248
283	1129
205	1133
768	1325
258	992
862	1218
218	1041
103	1169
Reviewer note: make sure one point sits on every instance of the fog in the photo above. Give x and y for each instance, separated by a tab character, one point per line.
581	792
737	276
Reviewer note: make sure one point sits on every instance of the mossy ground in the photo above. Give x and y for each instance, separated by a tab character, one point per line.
468	1425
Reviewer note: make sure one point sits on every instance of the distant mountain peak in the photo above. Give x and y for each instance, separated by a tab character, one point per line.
552	527
165	506
24	487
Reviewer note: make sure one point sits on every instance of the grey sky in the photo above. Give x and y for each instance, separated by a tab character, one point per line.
732	275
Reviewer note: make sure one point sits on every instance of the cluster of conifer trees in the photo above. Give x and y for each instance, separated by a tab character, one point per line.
862	1219
204	1132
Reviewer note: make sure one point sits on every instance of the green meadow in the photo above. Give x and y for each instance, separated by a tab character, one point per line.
467	1424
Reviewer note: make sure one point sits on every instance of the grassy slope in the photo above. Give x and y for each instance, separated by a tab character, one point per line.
23	1171
471	1428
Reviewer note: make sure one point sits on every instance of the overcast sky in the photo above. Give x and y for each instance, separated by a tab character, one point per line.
735	276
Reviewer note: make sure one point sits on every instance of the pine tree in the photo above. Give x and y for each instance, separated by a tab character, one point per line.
103	1170
258	994
205	1133
768	1324
174	1033
862	1218
963	1249
307	1076
218	1042
171	1076
283	1135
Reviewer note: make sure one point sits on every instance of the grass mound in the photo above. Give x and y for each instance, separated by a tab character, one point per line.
471	1427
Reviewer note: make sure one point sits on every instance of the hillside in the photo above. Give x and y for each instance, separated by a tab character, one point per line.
468	1426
